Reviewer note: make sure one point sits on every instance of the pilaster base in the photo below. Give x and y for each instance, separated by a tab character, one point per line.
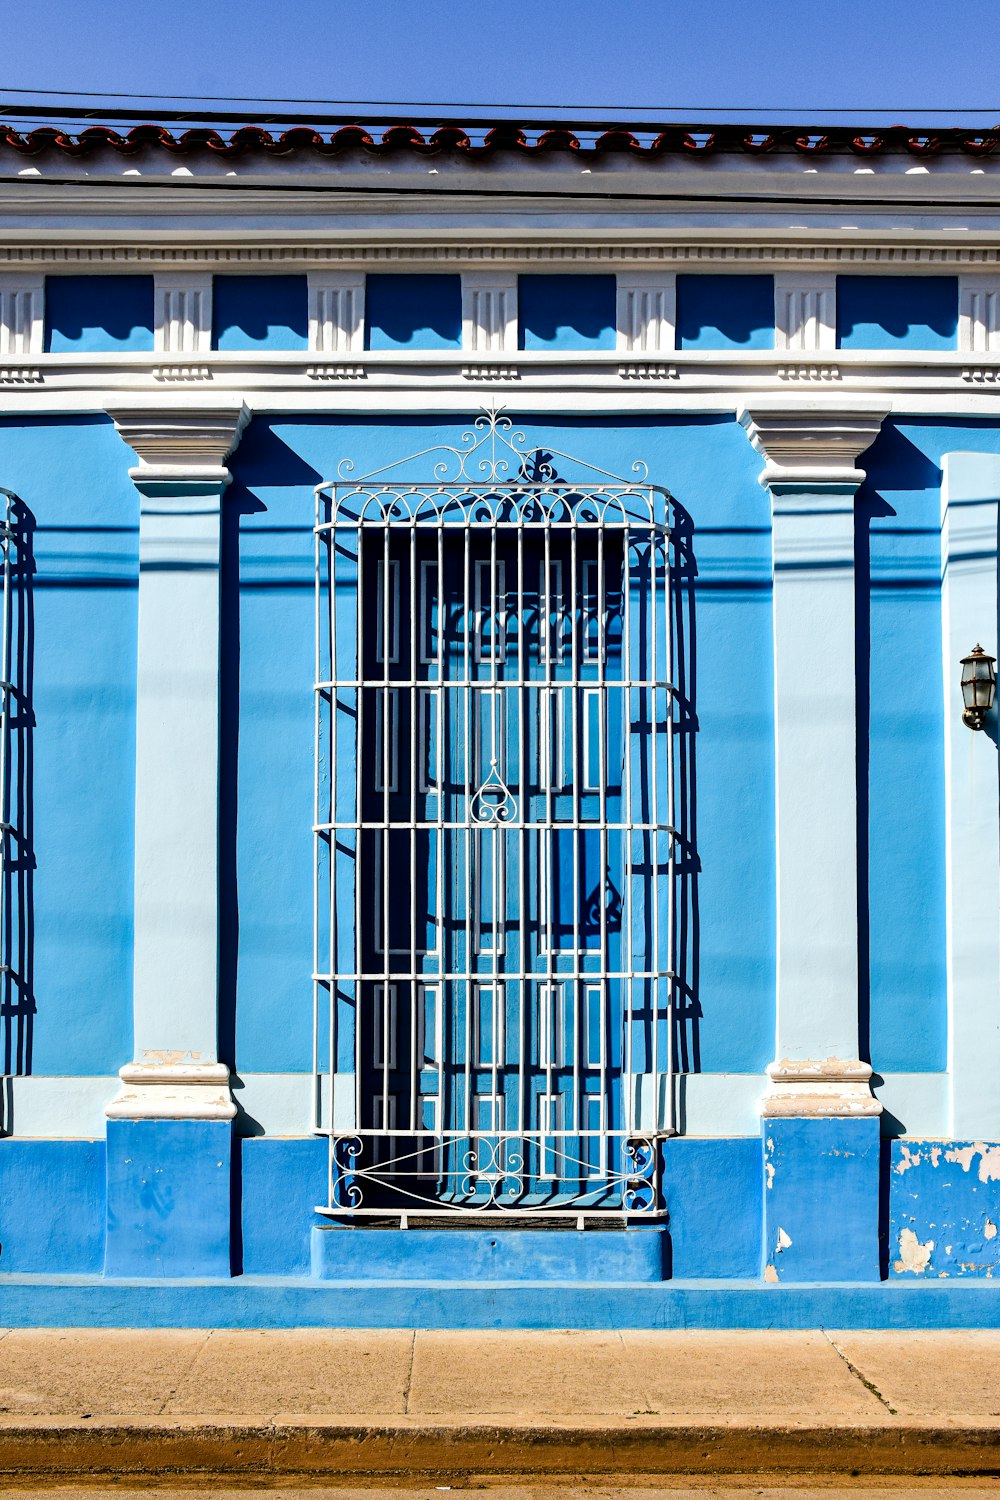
173	1091
821	1199
825	1088
169	1198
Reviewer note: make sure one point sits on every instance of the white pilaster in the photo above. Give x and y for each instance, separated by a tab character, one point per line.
489	312
336	312
979	314
181	480
182	312
805	311
647	312
969	502
811	473
22	314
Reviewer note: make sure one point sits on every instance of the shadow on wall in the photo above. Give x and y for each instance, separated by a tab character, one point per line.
17	934
687	865
262	462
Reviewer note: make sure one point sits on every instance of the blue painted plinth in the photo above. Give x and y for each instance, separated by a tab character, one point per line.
491	1256
169	1198
821	1200
300	1302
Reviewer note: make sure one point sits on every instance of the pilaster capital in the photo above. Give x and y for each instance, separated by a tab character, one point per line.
810	446
181	443
819	1088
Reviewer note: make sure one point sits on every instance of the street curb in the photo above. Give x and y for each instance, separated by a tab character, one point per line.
51	1447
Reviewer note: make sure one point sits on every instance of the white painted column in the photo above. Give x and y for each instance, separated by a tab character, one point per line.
337	312
805	311
979	313
182	313
22	314
810	471
181	480
969	503
489	312
647	312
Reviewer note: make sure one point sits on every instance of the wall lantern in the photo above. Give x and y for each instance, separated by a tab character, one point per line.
979	685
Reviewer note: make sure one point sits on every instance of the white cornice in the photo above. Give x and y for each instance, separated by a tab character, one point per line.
201	250
135	385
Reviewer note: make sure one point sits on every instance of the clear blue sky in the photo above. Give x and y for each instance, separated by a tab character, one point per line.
885	59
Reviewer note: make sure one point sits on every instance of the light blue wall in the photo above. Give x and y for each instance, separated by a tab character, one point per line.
729	897
72	475
98	314
413	312
897	312
901	506
725	312
260	312
566	312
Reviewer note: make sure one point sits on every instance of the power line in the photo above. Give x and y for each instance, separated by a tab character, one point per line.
438	104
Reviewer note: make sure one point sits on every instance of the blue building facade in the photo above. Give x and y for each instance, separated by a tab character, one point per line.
482	730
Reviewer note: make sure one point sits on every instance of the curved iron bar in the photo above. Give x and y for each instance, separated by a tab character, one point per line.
491	431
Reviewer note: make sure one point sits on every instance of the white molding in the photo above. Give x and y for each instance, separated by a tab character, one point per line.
178	441
182	312
809	1088
22	314
811	456
805	311
647	312
173	1091
489	312
812	444
738	251
979	314
970	493
336	312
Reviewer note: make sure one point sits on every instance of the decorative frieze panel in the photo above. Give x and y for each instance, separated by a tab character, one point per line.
182	313
22	315
489	312
337	312
979	315
647	306
805	312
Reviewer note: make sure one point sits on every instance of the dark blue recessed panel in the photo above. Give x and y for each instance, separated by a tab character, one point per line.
260	312
413	312
566	312
98	314
897	312
725	312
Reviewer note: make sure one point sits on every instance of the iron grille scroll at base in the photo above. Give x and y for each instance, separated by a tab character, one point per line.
493	971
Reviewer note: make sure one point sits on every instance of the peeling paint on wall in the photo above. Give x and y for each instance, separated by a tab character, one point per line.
913	1256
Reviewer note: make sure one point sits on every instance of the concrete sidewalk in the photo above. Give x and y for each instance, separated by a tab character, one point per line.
327	1402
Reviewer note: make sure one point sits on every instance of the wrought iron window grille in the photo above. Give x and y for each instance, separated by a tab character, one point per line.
494	901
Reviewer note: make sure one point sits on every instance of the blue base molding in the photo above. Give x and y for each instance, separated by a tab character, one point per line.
489	1256
272	1302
